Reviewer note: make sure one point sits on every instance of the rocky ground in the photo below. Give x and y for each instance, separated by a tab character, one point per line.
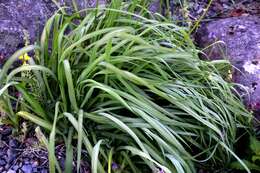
16	156
28	155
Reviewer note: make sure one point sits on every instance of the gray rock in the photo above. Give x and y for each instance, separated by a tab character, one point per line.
18	17
239	42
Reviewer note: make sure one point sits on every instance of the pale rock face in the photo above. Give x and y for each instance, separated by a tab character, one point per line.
251	68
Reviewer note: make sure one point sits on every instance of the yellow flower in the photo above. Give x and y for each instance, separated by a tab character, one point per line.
24	58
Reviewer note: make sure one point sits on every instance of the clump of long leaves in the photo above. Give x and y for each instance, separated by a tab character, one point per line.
129	87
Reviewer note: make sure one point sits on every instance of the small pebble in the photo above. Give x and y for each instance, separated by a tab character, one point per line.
35	163
5	131
13	143
11	155
44	171
20	164
27	168
2	162
11	171
26	162
35	170
2	169
2	153
15	167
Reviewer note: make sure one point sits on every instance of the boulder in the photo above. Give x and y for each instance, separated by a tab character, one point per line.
20	18
238	40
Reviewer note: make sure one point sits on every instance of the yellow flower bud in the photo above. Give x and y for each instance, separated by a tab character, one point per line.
24	58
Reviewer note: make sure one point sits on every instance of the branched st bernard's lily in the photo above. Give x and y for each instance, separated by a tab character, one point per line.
132	91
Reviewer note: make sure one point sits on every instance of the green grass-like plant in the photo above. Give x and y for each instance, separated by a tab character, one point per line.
128	87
